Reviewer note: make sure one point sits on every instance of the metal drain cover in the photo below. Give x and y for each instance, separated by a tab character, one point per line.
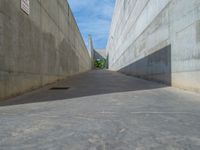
59	88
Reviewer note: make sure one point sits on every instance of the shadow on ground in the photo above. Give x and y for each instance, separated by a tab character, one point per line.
92	83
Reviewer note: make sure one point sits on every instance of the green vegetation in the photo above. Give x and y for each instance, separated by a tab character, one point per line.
100	64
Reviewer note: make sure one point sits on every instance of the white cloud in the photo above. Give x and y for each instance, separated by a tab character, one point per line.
93	17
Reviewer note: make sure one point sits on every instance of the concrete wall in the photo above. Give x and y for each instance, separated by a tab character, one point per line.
157	40
39	48
100	54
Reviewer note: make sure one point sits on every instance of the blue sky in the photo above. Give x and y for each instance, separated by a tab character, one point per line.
93	17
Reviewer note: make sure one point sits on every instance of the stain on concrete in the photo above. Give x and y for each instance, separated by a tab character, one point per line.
158	24
37	48
149	116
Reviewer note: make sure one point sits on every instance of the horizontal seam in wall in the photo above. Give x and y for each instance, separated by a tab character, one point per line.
78	28
142	32
59	27
69	26
154	49
137	16
55	21
74	20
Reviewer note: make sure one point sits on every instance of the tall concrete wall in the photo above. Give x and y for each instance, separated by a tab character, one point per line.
38	48
157	40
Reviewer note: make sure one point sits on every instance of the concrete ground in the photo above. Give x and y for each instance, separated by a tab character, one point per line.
102	110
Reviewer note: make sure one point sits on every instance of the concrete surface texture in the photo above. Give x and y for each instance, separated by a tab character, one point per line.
38	48
130	114
157	40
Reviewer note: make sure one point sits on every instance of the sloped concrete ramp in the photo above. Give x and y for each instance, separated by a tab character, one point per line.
102	110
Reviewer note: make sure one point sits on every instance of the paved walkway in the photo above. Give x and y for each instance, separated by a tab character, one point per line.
102	110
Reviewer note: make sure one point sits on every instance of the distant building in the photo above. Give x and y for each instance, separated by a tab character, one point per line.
99	54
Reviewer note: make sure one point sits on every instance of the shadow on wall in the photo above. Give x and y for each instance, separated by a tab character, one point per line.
31	56
156	67
96	82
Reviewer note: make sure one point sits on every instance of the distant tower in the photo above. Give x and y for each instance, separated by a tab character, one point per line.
91	48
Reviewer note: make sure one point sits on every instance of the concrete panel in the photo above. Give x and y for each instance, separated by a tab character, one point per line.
156	66
187	80
39	48
148	27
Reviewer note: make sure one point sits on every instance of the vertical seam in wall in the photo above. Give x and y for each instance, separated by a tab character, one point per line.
50	17
137	16
142	32
169	31
112	21
135	20
42	65
58	25
1	30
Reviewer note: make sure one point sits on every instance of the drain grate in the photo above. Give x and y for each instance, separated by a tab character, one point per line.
59	88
